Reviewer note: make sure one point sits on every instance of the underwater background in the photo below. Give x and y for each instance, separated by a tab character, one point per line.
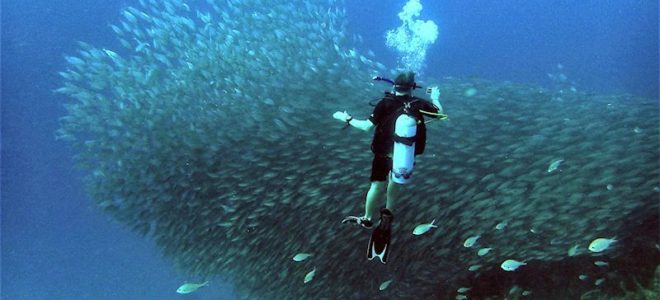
239	137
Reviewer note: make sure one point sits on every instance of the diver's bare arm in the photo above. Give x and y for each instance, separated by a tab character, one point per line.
364	125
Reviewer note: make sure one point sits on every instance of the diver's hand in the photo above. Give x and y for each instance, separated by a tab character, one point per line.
341	116
435	98
435	94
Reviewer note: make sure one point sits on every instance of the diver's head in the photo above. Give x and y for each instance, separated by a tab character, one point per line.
404	83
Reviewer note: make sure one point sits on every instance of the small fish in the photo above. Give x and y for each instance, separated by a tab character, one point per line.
483	251
601	244
301	256
637	130
526	293
557	241
554	165
461	297
141	46
609	187
384	285
501	225
470	92
130	17
116	29
188	288
463	290
423	228
583	277
473	268
573	251
310	275
563	77
111	54
599	281
511	265
469	242
601	263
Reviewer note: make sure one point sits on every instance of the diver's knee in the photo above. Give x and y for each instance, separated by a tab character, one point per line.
378	186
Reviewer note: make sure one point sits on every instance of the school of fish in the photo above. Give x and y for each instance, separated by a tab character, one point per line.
210	131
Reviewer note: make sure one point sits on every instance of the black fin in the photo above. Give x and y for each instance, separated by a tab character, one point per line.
379	243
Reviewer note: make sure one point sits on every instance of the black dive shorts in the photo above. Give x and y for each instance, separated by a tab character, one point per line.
380	167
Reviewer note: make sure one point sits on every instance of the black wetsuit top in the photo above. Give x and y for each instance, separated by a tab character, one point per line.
384	117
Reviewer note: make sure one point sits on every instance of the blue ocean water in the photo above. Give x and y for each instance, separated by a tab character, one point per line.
57	245
605	46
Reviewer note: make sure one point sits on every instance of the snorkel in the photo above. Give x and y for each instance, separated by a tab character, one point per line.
378	78
390	81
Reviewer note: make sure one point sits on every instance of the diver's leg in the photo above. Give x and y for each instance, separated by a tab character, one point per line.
393	191
377	190
380	168
374	197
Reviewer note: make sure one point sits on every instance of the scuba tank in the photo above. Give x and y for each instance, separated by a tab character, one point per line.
403	156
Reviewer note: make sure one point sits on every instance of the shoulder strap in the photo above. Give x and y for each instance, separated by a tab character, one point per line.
404	108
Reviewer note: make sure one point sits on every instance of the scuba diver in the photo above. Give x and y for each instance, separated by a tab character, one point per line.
400	134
